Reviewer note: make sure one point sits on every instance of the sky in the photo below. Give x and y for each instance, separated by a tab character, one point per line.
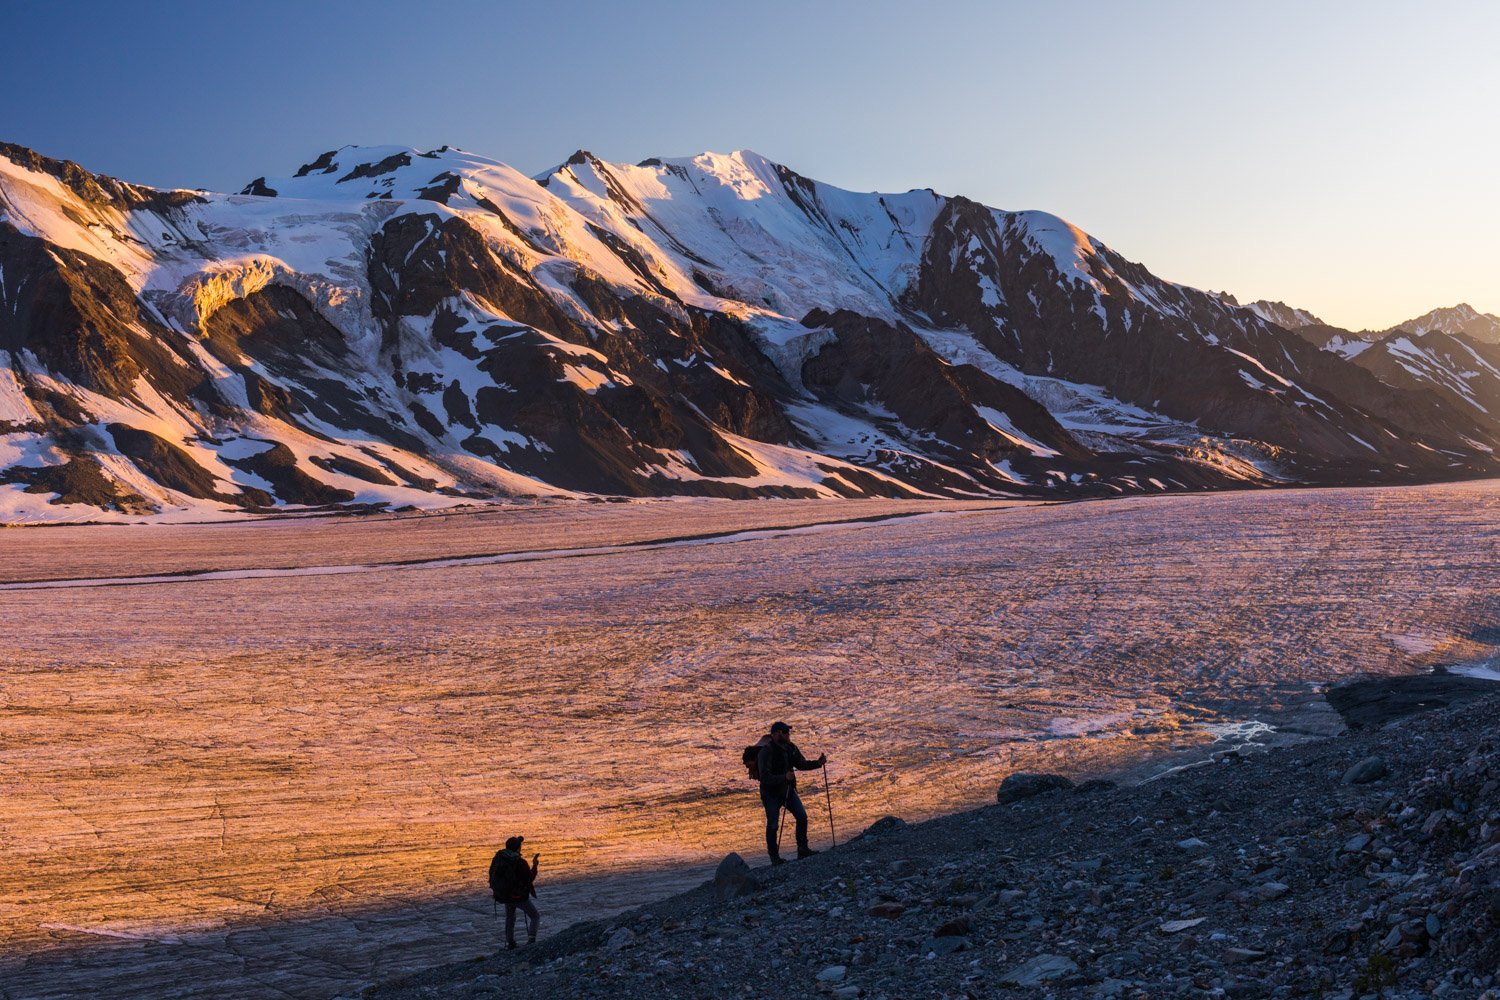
1339	156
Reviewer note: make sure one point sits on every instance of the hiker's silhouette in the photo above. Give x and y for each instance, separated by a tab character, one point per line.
777	761
513	882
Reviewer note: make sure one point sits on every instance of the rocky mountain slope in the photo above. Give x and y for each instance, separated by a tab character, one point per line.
389	327
1453	353
1367	865
1462	369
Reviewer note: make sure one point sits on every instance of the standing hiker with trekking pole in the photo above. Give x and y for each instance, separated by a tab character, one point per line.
513	882
777	761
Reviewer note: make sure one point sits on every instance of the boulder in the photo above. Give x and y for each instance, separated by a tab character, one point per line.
953	928
1023	785
1039	970
1268	891
733	879
1368	770
1177	926
944	945
883	826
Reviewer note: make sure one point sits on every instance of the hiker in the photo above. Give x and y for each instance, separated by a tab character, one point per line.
513	883
777	765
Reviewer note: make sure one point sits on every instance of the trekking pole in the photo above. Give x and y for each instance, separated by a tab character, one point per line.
780	825
829	796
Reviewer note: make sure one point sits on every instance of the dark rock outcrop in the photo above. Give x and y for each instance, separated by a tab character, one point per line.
1372	702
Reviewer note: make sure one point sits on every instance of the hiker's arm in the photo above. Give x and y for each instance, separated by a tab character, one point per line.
763	764
801	763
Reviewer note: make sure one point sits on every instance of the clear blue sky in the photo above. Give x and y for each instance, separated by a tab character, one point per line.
1342	156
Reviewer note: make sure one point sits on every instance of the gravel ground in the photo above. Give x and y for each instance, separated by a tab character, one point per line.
1363	865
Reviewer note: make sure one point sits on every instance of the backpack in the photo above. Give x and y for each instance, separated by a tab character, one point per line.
751	759
509	876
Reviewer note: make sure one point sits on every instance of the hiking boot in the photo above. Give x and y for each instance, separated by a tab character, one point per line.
510	945
530	941
806	852
777	859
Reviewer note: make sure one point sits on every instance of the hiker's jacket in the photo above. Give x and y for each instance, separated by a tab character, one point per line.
776	762
519	880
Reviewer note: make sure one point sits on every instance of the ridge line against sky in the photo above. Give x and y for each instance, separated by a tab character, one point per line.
1339	158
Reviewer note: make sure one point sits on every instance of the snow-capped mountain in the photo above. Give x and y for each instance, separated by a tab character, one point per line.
384	326
1462	318
1453	365
1453	353
1283	315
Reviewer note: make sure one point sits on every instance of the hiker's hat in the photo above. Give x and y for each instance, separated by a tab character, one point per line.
780	727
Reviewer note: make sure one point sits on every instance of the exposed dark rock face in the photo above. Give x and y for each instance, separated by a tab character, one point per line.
876	365
417	261
79	480
323	164
71	311
441	188
98	189
278	466
168	464
258	187
391	163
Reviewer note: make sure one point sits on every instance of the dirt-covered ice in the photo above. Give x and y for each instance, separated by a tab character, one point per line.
292	784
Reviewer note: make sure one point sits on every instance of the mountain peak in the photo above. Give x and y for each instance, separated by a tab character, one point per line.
1285	316
1458	319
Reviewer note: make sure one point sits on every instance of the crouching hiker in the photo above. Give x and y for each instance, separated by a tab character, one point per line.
513	883
777	764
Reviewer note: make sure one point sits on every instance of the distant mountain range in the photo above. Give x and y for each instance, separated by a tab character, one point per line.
384	327
1454	352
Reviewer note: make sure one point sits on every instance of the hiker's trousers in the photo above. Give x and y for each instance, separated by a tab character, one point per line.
533	918
773	800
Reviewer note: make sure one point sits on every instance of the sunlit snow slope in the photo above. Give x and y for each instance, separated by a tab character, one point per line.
396	328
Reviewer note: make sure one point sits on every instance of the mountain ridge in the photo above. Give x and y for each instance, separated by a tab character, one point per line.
388	327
